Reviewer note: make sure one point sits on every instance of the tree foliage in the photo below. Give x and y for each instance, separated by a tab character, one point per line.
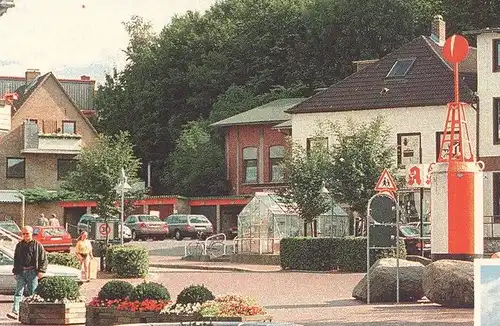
305	174
200	64
359	154
98	171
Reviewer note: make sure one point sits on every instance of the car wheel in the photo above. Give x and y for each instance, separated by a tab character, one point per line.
135	236
178	235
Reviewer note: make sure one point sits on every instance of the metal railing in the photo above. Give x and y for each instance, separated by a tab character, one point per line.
213	246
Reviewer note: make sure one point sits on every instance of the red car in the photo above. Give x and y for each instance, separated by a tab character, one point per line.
53	238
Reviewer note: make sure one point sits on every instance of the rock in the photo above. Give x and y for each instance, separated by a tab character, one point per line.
383	281
450	283
423	260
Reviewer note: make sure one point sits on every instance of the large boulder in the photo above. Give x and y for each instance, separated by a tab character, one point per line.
383	282
450	283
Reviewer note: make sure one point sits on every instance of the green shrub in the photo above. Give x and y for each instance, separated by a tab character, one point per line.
63	259
149	290
53	288
115	289
194	294
109	257
321	254
132	261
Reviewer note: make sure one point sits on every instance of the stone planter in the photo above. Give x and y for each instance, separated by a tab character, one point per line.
103	316
44	313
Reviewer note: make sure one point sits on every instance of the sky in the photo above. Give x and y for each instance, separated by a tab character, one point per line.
77	37
490	298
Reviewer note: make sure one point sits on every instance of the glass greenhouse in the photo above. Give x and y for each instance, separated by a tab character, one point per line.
266	219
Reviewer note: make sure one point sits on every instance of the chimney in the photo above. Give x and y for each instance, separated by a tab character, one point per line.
438	30
31	74
85	77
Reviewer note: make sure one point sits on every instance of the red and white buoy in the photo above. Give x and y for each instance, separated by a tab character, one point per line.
457	179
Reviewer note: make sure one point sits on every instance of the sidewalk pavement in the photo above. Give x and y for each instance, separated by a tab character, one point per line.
177	262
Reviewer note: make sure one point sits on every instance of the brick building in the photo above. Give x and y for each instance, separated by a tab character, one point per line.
42	130
255	143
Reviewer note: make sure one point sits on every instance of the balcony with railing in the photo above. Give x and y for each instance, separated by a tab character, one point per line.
45	137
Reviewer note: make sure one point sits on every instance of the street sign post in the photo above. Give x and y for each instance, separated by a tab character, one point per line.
382	225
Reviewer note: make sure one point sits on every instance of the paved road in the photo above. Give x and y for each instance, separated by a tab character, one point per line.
312	299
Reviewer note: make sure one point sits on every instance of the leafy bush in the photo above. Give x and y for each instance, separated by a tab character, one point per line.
52	288
109	257
115	289
194	294
321	254
133	261
63	259
149	290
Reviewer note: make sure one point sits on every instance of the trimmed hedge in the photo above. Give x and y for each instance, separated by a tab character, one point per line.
64	259
128	261
109	257
53	288
323	254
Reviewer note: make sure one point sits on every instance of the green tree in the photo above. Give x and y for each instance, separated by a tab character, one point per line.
305	174
98	171
196	167
358	156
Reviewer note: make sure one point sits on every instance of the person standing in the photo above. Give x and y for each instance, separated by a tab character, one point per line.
83	250
42	220
30	264
53	220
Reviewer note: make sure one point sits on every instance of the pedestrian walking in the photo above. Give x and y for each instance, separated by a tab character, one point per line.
30	264
83	250
53	220
42	220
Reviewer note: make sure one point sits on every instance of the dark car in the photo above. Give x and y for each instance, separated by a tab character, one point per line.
188	225
231	232
147	226
413	240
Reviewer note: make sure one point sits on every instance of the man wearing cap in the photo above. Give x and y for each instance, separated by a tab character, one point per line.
30	264
53	220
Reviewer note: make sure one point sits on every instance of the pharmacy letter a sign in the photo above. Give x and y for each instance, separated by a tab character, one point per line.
418	176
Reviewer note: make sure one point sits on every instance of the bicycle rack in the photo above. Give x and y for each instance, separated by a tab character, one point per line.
212	241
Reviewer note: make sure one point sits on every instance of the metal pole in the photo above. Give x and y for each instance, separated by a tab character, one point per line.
397	248
122	211
422	221
368	256
149	174
23	210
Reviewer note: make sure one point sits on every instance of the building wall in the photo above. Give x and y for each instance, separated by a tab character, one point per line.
424	120
47	102
32	212
260	136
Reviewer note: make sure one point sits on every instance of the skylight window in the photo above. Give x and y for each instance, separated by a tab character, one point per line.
400	68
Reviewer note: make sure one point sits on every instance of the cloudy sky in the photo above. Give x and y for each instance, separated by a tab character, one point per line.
490	298
77	37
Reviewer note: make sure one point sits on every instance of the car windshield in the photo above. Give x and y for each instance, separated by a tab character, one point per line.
10	227
409	231
54	232
149	218
198	219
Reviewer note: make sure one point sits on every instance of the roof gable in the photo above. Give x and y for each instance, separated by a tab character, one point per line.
268	113
429	81
26	91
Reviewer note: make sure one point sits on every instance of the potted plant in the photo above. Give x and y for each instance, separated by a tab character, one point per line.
56	301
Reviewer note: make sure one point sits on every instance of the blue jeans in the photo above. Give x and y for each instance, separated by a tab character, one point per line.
26	278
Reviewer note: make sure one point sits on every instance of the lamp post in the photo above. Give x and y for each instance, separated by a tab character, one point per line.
121	188
324	190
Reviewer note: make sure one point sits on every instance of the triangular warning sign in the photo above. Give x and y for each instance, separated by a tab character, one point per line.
386	182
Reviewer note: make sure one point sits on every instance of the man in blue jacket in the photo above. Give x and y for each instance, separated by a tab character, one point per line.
30	264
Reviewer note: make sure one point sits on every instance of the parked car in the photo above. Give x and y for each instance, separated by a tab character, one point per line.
7	284
411	236
426	227
188	225
86	221
53	238
147	226
11	227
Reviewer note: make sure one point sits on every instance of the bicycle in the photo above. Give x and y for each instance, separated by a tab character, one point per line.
216	249
195	248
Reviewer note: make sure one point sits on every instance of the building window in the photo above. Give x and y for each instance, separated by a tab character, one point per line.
496	55
69	127
250	164
445	152
400	68
408	149
496	121
16	167
64	167
276	155
316	143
